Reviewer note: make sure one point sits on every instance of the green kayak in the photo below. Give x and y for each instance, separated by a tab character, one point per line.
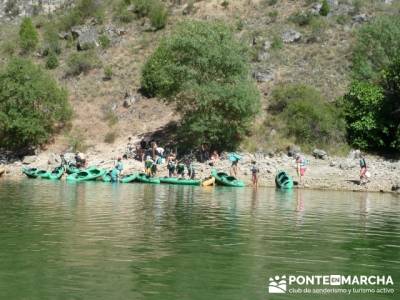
179	181
143	178
43	174
128	178
71	169
86	175
283	180
222	178
57	173
30	172
107	177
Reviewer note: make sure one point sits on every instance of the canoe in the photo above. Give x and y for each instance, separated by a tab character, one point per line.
143	178
179	181
86	175
71	169
222	178
128	178
43	174
57	173
30	172
283	180
208	181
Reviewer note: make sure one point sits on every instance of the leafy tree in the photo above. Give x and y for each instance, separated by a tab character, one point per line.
325	9
376	46
204	71
28	36
32	105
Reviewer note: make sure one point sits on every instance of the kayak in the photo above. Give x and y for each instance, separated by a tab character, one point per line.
143	178
56	174
43	174
72	169
30	172
180	181
88	174
128	178
208	181
110	176
283	180
222	178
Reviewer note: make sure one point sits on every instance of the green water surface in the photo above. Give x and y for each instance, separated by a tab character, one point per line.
137	241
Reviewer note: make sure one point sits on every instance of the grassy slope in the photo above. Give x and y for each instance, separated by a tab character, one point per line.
323	64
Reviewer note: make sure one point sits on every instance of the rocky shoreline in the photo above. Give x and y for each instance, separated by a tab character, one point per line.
323	172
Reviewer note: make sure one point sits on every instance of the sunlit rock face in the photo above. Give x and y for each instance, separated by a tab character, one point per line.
14	9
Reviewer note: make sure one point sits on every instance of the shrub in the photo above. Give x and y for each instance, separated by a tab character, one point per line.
110	137
32	105
158	15
376	46
28	36
301	18
104	41
52	61
51	39
325	8
272	2
82	62
225	3
80	12
273	15
205	72
277	42
108	73
372	112
306	116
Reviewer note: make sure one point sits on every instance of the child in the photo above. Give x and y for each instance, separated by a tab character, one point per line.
191	170
300	167
363	169
254	171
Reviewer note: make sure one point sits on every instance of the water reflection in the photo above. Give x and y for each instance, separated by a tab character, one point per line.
134	241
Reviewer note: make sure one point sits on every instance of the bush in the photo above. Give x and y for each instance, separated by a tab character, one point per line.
158	15
80	12
108	73
272	2
110	137
376	46
32	105
273	15
325	8
373	112
306	116
51	39
28	36
52	61
104	41
205	72
82	62
277	42
301	18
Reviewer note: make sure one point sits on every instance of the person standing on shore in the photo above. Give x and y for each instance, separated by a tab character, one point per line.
363	169
254	174
300	167
234	158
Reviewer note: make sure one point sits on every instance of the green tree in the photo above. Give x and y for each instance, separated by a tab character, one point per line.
376	46
32	105
204	71
325	9
28	36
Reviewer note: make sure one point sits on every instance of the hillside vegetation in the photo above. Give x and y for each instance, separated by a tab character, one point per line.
259	75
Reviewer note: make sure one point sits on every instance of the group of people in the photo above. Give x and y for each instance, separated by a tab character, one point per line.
152	155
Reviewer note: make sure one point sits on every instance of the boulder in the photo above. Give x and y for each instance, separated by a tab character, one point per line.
321	154
361	18
292	150
332	163
396	186
30	159
266	75
129	101
347	164
87	37
291	36
354	154
263	56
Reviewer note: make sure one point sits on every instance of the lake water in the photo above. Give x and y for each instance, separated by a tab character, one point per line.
136	241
